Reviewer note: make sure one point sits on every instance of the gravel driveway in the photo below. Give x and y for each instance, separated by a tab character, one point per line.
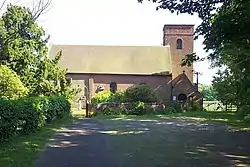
146	143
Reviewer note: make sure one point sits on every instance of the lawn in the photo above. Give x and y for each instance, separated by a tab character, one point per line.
228	118
166	141
23	150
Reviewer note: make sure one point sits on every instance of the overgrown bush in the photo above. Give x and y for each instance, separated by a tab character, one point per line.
27	115
243	111
137	108
10	85
140	93
247	118
173	108
108	96
195	107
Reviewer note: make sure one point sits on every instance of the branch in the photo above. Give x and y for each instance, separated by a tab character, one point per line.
2	5
41	8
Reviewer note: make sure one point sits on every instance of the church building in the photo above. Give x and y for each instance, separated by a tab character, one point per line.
95	67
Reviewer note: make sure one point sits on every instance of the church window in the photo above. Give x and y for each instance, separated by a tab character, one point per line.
113	87
179	44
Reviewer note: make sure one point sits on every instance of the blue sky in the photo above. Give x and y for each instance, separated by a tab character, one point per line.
114	22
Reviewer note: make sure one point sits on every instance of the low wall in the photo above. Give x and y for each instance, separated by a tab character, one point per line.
154	107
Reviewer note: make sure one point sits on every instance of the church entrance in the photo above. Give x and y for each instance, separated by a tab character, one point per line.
182	97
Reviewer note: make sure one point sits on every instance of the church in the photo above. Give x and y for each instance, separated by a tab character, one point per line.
95	67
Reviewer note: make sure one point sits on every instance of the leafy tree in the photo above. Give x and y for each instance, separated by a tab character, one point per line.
225	28
208	92
23	48
22	45
11	87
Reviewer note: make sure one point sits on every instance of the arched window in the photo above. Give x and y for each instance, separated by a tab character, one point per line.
182	97
142	83
113	87
179	44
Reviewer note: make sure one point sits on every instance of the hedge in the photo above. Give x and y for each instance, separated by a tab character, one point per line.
27	115
134	108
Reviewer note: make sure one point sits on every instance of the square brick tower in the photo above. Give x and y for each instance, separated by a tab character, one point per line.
180	38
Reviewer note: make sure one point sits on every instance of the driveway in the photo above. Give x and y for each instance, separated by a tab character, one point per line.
146	143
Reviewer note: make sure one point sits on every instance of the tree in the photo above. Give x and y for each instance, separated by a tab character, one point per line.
225	28
11	87
22	44
208	92
23	49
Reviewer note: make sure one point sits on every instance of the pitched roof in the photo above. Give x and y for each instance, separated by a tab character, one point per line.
114	59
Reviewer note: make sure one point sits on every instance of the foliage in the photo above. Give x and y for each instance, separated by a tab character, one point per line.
174	108
225	28
243	111
247	118
137	108
195	107
10	86
26	115
23	48
208	92
140	93
107	96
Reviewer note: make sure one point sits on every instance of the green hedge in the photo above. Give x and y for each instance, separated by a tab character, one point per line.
27	115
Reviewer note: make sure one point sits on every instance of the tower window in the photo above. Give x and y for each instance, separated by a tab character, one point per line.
179	44
113	87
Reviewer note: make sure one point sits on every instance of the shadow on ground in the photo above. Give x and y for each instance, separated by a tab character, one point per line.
146	143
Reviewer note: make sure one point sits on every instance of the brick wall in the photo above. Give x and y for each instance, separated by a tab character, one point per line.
170	35
161	83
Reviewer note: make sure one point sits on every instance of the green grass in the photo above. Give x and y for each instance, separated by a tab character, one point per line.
23	150
229	118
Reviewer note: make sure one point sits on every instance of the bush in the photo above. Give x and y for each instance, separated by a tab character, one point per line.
107	96
101	97
137	108
243	111
140	93
247	118
27	115
195	107
10	86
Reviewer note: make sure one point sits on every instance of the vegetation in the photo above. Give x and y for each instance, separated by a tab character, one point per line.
24	149
23	49
34	93
142	93
11	87
27	115
225	28
208	92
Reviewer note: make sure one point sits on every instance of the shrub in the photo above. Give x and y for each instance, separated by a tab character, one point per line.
108	96
247	118
101	97
173	108
10	86
137	108
140	93
118	97
243	111
26	115
195	107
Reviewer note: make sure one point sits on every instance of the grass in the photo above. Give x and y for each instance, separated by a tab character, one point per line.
23	150
229	118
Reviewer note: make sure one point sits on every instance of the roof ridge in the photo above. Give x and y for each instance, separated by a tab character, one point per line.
99	45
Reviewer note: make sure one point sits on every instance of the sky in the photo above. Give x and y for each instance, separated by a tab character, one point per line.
114	22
